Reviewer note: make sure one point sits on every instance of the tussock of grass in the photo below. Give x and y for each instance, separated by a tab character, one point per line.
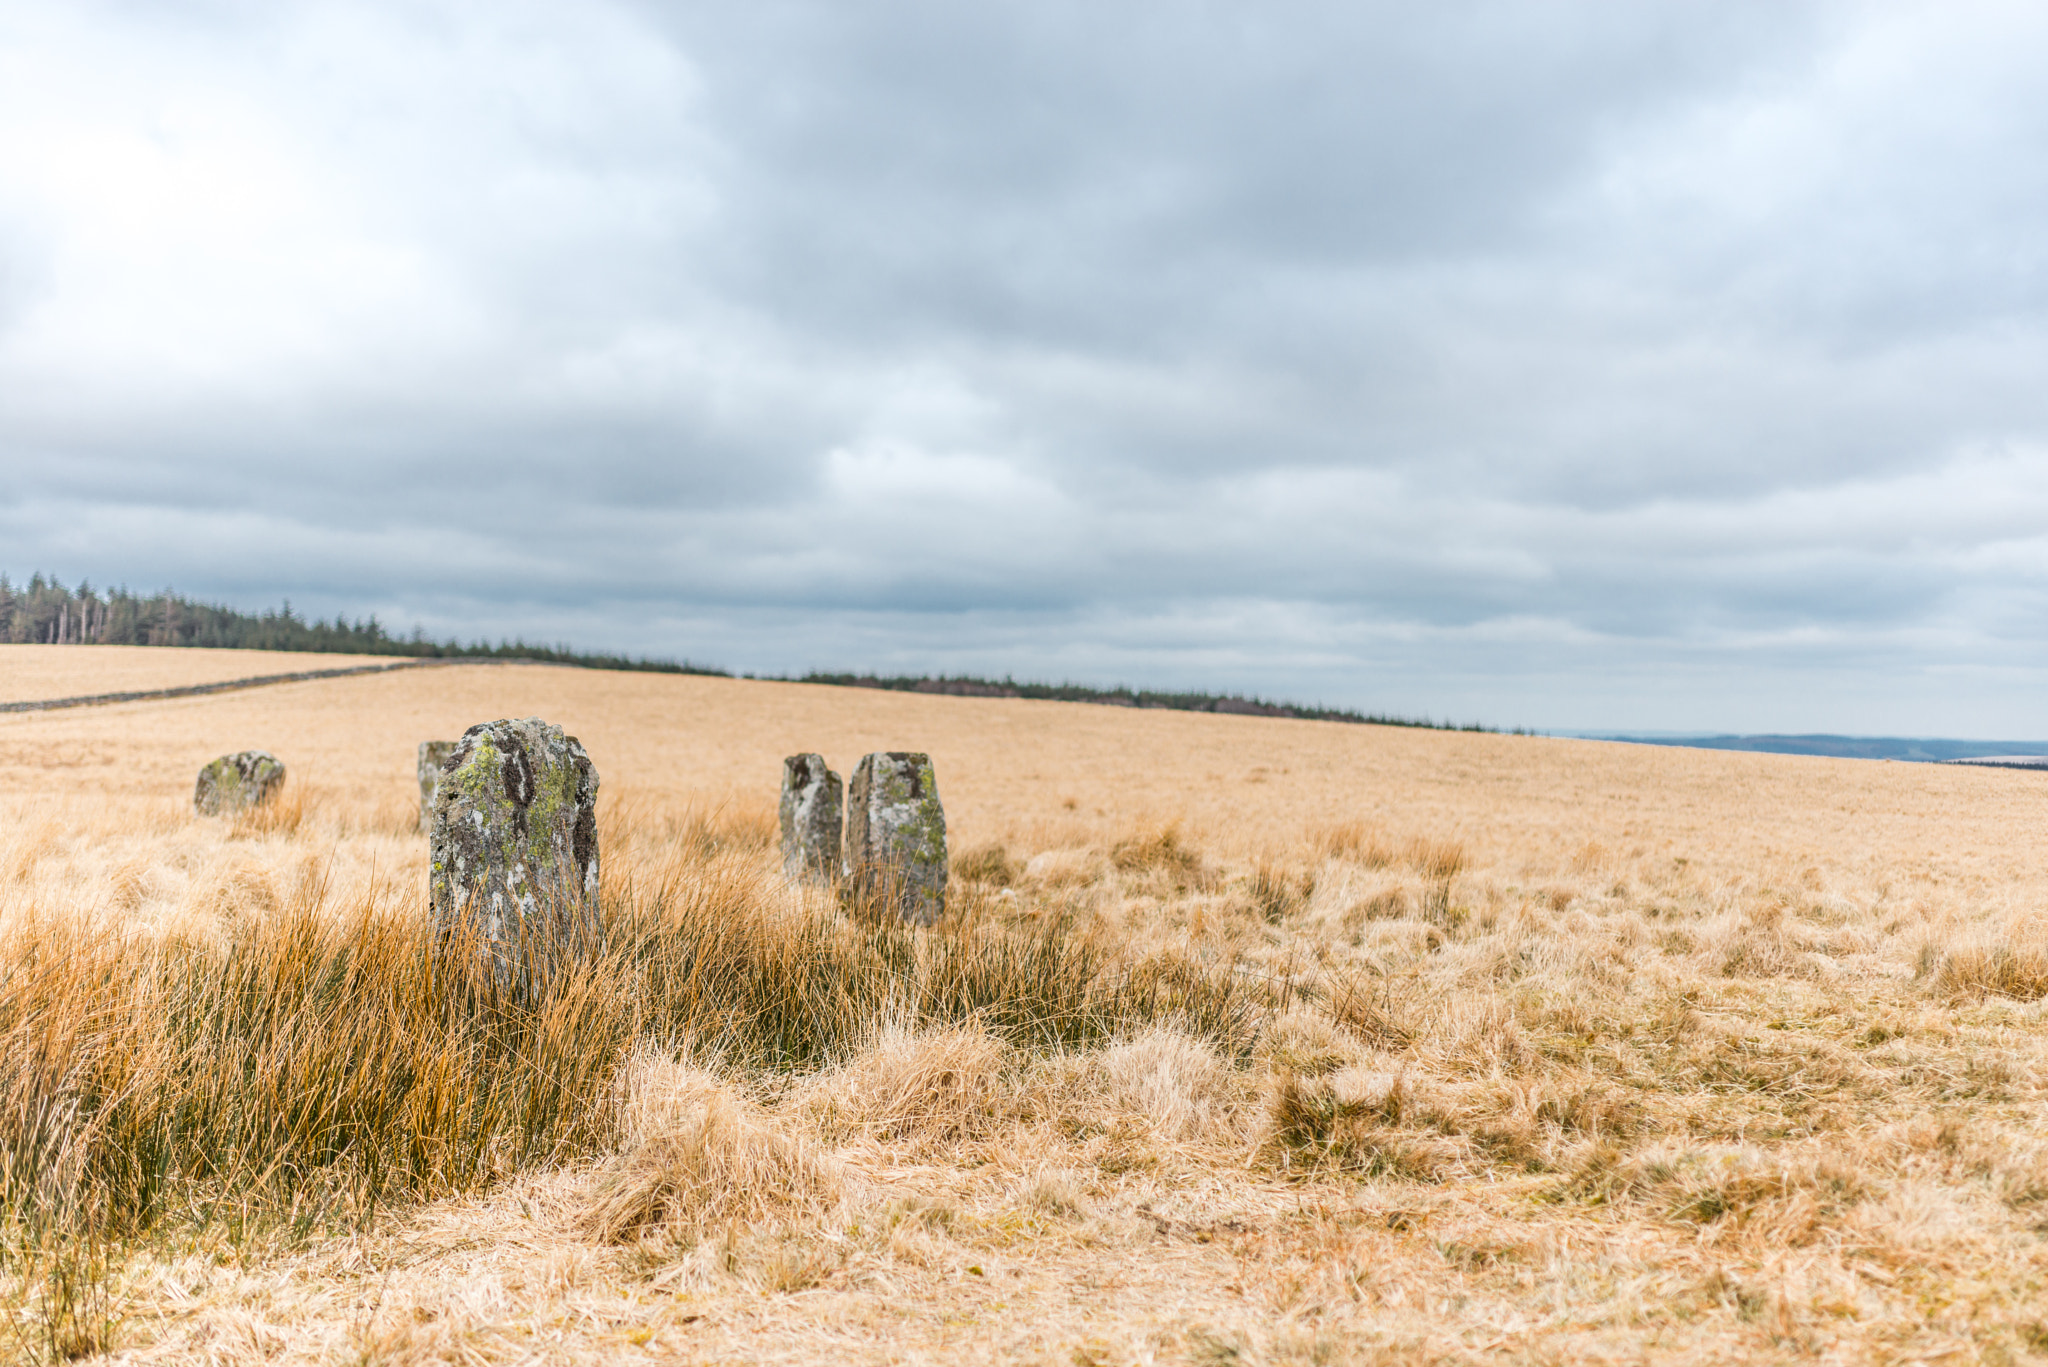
923	1089
1367	845
1278	892
1385	1012
990	864
2018	972
1174	1081
1371	1123
1437	859
1356	841
694	1155
1161	852
314	1065
280	816
1306	1042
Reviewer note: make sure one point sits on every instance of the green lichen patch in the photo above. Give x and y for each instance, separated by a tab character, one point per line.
813	799
896	834
514	858
237	782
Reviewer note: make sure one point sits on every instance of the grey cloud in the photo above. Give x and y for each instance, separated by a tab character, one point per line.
1551	364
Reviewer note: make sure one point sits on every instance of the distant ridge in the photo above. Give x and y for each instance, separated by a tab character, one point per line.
44	611
969	687
2011	754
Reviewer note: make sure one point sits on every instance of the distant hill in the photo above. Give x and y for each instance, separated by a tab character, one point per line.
1920	749
969	687
44	611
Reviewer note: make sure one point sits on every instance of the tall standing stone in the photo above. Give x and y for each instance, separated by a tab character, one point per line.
433	754
896	835
237	782
812	799
514	846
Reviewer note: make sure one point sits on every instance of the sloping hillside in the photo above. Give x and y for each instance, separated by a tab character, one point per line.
1249	1040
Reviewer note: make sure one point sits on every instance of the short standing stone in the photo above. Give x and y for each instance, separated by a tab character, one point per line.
235	783
812	796
433	754
896	835
514	846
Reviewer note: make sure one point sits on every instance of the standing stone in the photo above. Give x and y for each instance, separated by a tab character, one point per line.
514	846
433	754
896	835
812	797
234	783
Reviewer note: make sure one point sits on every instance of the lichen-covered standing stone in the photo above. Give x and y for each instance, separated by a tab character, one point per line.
896	835
514	846
812	796
234	783
433	754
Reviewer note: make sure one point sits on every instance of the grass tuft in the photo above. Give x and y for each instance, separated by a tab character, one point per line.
1997	971
695	1154
990	864
1162	851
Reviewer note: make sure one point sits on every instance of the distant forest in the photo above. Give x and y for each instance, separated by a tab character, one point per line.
45	612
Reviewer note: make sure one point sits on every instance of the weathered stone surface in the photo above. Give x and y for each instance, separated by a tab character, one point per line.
896	835
433	754
812	800
234	783
514	846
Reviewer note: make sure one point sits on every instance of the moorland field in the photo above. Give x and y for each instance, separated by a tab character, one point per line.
1246	1040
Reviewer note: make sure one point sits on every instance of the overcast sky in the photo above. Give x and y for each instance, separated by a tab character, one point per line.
1563	365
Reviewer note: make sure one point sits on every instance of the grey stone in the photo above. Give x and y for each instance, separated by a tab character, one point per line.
234	783
514	847
896	835
812	799
433	754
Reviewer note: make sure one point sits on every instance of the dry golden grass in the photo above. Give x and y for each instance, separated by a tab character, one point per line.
1250	1041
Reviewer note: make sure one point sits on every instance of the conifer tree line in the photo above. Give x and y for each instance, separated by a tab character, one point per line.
966	686
45	612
